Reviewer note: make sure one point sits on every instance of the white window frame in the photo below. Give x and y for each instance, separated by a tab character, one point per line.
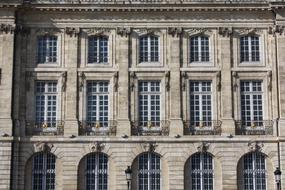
97	170
200	94
149	170
148	37
199	49
249	39
44	170
99	37
253	171
47	39
201	169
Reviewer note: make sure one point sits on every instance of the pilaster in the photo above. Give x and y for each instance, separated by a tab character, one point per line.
69	82
225	47
174	51
122	58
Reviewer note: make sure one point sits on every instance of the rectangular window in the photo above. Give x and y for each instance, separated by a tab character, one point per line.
200	103
249	49
149	103
98	102
149	49
97	49
251	103
46	103
47	49
199	49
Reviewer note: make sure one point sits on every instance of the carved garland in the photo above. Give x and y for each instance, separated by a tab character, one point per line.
97	31
124	32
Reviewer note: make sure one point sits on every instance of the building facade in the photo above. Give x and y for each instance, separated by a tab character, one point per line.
189	94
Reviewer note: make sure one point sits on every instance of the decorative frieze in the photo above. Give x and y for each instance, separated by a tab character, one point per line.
7	28
247	31
145	31
225	31
196	31
96	31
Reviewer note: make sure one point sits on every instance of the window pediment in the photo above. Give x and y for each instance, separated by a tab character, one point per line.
197	31
49	31
146	31
247	32
97	31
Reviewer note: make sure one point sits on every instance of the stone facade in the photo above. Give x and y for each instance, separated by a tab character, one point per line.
123	22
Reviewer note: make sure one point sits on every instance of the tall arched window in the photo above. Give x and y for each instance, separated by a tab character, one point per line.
148	49
149	171
254	172
96	171
43	172
202	172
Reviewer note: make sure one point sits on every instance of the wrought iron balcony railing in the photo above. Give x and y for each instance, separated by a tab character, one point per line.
44	128
98	128
261	127
150	128
211	127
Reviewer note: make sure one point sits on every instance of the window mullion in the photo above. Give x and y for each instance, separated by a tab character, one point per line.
148	48
98	49
200	102
201	171
199	49
45	103
96	171
44	171
249	49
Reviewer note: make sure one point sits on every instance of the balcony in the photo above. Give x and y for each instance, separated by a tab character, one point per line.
261	127
212	127
98	128
150	128
44	128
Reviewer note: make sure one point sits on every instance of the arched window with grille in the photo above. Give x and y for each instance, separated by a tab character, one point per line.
96	171
253	171
201	171
98	49
148	48
149	171
43	171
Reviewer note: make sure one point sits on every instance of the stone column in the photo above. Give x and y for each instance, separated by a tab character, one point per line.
228	125
176	125
69	82
6	66
122	58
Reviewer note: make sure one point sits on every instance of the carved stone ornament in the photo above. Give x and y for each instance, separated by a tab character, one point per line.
64	78
196	31
150	147
49	31
97	31
255	146
175	31
97	146
247	31
184	79
82	78
203	147
7	28
133	77
276	29
43	147
116	81
269	76
124	32
167	80
225	32
235	77
72	32
145	31
219	85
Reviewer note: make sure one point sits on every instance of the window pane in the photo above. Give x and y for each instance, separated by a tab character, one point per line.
97	49
47	49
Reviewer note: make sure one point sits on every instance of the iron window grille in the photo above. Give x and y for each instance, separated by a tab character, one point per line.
43	172
254	172
96	171
149	174
202	173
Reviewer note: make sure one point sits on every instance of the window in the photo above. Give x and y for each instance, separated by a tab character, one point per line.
47	49
98	102
46	103
202	171
43	171
149	103
254	173
251	103
199	49
149	172
149	49
249	49
200	103
97	49
96	172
